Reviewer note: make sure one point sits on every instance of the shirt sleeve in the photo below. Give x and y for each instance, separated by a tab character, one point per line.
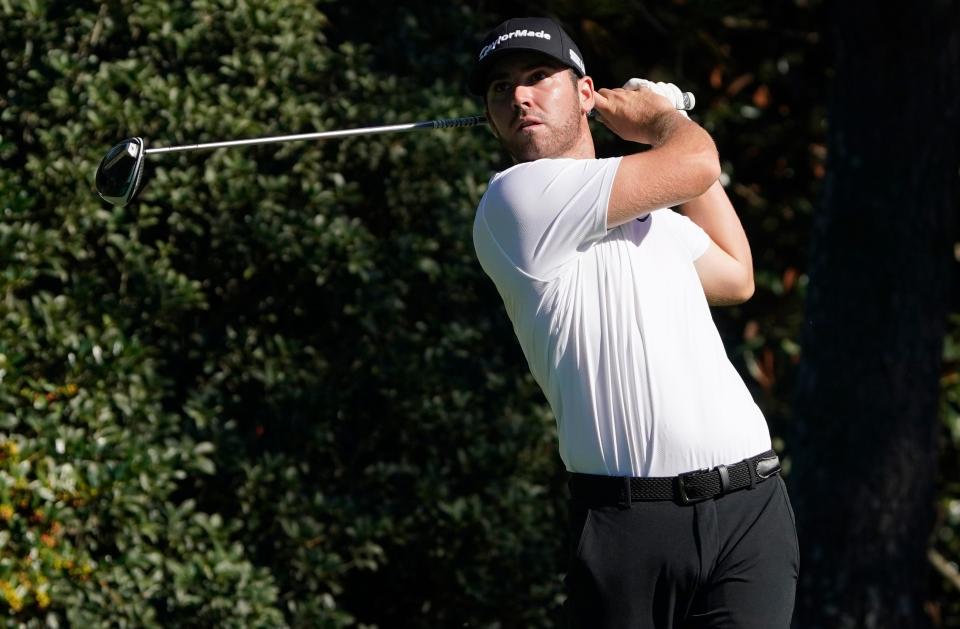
691	236
541	215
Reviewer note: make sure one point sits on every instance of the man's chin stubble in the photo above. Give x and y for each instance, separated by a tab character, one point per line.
527	152
531	150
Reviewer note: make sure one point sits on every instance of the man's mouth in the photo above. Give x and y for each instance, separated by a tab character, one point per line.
525	123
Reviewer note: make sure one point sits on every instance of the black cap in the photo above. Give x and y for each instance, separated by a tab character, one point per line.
538	34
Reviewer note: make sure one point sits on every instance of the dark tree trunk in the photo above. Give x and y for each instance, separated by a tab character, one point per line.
882	257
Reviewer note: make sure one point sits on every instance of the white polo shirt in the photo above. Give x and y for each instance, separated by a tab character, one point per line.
614	324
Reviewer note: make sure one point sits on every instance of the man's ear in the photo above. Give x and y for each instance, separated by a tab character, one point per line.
585	92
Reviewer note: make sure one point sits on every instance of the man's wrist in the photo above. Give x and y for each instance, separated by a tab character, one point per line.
665	124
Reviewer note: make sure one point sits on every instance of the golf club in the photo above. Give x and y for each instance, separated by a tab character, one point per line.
119	174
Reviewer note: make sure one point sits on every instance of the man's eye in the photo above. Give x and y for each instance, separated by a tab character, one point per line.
498	87
537	76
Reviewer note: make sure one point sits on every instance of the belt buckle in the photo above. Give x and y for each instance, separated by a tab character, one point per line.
767	467
682	488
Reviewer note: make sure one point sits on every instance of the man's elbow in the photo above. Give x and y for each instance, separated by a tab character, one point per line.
746	292
744	289
732	293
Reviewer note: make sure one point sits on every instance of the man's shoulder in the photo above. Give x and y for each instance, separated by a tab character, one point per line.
545	172
670	219
679	229
525	176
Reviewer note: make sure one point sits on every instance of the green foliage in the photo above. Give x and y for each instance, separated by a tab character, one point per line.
277	389
265	393
945	539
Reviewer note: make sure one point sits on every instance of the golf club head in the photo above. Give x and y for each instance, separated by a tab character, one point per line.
118	175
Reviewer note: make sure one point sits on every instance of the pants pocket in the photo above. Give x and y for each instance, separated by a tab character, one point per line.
788	506
579	528
580	587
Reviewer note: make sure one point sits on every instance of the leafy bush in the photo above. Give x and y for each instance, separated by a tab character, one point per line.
266	391
277	390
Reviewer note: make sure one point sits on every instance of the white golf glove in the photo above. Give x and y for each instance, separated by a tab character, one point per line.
668	90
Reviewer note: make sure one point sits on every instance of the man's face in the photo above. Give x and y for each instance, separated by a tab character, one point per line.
534	107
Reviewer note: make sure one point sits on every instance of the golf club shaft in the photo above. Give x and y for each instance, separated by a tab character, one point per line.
440	123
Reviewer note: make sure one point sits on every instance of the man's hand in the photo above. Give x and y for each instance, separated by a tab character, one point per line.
668	90
635	115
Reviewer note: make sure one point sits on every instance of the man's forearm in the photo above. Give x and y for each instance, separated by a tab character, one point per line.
681	167
713	212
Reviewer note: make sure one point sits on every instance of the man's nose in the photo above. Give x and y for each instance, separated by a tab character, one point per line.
522	94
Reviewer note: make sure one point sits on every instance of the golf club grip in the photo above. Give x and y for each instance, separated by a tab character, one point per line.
689	101
449	123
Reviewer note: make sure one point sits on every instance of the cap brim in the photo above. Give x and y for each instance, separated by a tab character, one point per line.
477	81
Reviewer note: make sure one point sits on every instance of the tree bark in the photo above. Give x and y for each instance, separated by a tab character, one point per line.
881	264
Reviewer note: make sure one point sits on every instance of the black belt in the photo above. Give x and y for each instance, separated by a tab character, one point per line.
686	488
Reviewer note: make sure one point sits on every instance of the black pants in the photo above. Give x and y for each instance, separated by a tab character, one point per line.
729	562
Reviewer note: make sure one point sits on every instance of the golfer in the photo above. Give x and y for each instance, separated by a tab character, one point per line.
679	517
